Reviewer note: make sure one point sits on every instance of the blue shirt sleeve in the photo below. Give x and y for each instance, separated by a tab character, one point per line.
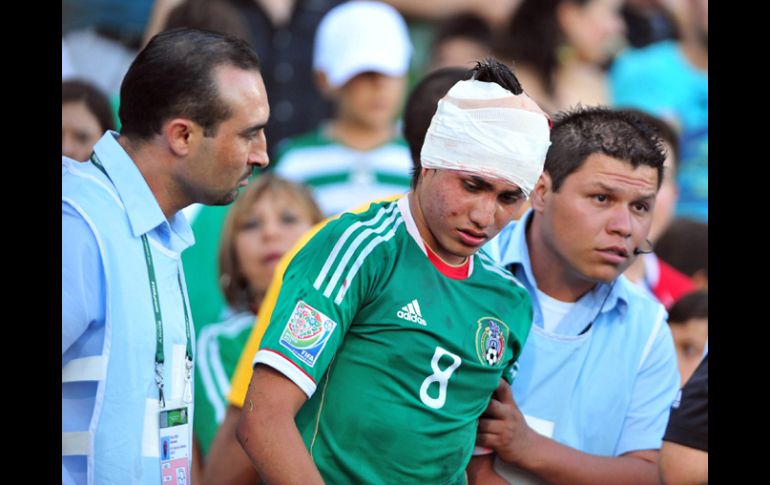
657	383
82	278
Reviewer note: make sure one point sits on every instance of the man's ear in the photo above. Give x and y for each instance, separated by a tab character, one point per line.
541	192
181	134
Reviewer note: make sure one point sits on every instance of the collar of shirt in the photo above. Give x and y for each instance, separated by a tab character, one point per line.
510	249
144	213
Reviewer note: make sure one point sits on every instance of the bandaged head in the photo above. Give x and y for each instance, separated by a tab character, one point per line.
482	128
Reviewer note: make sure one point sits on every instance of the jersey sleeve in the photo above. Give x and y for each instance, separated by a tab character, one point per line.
689	422
657	383
324	286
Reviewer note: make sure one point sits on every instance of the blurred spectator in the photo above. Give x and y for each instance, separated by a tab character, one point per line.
118	20
269	216
282	34
685	246
495	13
648	271
684	457
101	39
558	49
361	57
689	322
647	22
85	115
460	41
99	60
670	79
216	16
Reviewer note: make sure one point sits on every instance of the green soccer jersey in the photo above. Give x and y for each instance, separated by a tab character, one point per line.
398	360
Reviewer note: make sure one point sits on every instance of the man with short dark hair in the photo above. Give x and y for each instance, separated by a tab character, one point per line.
193	111
599	371
391	330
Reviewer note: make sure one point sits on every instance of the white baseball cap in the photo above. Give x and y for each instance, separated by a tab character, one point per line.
361	36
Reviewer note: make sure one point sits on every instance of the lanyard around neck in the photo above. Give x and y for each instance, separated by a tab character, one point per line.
159	356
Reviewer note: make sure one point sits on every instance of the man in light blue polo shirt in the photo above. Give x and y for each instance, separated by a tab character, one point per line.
597	376
193	112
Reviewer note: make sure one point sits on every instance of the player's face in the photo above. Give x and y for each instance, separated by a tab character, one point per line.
602	211
461	211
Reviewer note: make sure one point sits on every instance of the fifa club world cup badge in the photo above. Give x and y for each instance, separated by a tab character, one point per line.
490	341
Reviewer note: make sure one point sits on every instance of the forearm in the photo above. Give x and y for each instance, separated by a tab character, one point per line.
481	471
275	447
556	463
681	465
196	472
268	434
226	462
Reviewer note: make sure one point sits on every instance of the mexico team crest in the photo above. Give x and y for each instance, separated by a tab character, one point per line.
307	332
490	341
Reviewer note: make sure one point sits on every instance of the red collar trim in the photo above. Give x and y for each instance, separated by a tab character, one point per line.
453	272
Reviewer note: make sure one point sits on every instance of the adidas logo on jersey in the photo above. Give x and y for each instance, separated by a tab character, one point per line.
412	313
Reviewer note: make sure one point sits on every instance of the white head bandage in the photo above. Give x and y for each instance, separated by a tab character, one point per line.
481	127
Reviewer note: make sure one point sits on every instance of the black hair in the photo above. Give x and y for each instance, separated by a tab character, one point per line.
76	90
665	130
619	134
423	100
173	76
692	305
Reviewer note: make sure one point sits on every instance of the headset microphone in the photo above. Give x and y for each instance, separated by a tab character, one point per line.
638	251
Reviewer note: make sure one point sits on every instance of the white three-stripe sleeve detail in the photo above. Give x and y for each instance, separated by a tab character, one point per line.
360	261
343	239
357	242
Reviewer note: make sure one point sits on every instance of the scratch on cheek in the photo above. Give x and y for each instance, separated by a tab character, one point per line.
251	406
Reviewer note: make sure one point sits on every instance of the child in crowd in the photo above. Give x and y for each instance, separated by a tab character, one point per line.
361	57
689	322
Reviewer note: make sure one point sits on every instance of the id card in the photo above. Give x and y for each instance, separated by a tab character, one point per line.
174	447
